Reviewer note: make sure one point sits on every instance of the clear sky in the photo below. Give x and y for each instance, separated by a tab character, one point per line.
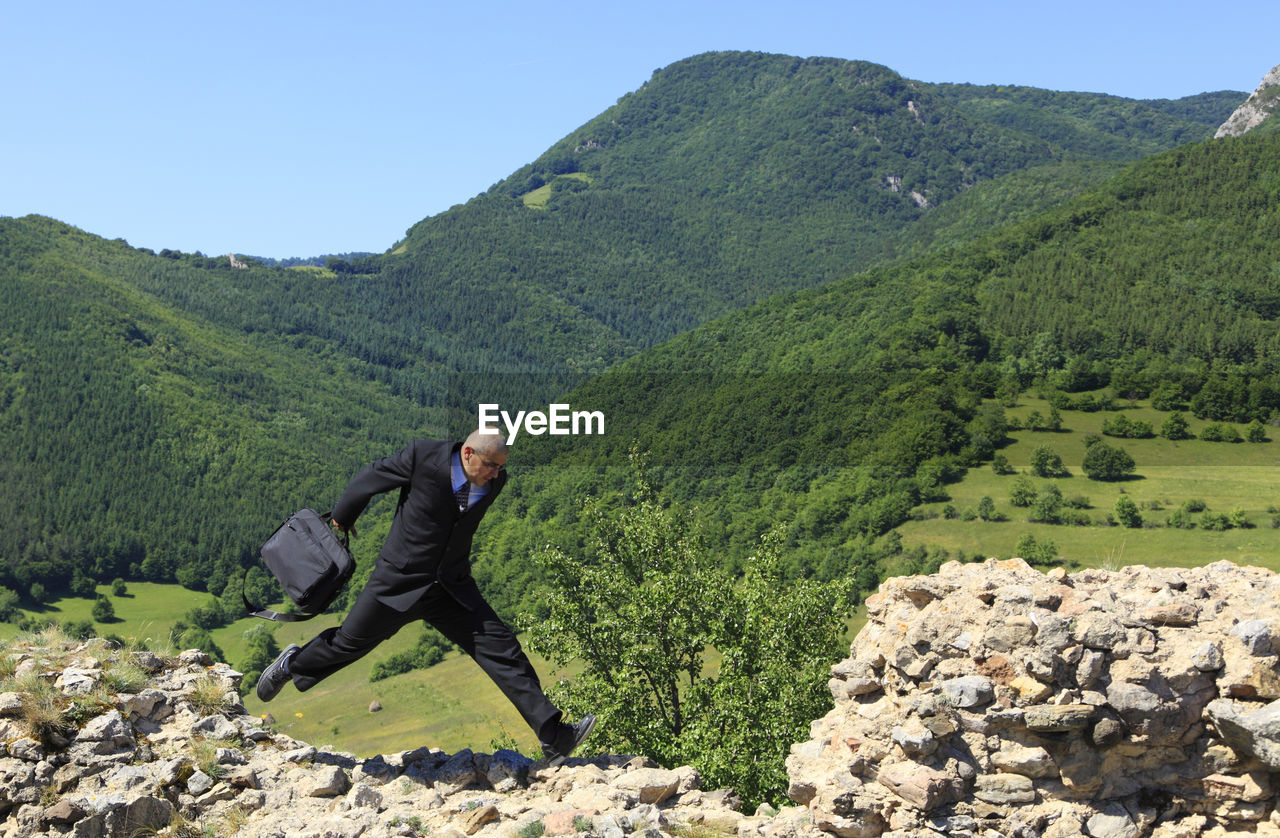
300	128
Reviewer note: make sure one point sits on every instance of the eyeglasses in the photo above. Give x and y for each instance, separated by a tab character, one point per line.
489	465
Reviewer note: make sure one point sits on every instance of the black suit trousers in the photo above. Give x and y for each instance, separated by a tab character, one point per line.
477	630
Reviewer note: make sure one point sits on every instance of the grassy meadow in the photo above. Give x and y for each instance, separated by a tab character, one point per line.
1225	476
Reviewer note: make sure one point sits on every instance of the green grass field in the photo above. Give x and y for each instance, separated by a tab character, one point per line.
146	612
538	198
1225	476
451	706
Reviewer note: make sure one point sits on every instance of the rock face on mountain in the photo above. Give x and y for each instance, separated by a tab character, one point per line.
985	700
1255	109
991	699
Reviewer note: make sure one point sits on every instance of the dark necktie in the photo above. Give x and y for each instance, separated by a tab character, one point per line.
462	495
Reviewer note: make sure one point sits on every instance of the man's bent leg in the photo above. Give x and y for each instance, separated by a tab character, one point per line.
482	635
367	624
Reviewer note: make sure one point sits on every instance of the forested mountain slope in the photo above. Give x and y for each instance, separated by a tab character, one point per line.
160	411
141	441
730	176
838	409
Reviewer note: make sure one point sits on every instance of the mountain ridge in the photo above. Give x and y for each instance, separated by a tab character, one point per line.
492	301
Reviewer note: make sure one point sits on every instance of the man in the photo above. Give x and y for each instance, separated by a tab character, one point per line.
424	573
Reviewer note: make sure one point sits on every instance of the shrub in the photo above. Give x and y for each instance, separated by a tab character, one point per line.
1045	462
1220	432
1175	427
1126	428
103	611
1106	462
1127	512
1215	521
986	508
1036	552
1023	492
1047	506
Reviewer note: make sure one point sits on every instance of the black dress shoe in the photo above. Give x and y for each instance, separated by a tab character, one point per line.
275	676
568	738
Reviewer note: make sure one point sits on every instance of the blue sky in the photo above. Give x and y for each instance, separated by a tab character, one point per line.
294	129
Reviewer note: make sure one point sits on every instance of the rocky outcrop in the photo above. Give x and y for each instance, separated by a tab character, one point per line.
991	699
176	755
985	700
1255	109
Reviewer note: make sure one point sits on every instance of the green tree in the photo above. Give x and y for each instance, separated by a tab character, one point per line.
1256	432
1036	551
1023	492
1175	427
1220	432
640	612
986	508
118	587
1107	462
1047	508
82	586
1127	512
1045	462
103	611
8	605
260	649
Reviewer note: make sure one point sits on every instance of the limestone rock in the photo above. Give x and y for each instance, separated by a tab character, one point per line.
1258	107
1095	703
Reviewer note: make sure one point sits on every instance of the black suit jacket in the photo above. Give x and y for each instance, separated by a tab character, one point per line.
430	541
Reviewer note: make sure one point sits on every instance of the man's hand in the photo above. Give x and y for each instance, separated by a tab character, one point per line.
342	529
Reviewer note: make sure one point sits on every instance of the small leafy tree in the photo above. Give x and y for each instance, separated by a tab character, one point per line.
1127	512
986	508
81	585
1047	508
8	604
103	611
640	613
260	649
1107	462
1045	462
1219	432
1175	427
1256	432
1037	552
118	587
1023	492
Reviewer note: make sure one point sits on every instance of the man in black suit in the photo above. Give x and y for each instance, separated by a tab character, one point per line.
424	573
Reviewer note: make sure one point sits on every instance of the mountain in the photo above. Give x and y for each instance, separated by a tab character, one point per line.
163	411
731	176
1255	110
141	440
836	410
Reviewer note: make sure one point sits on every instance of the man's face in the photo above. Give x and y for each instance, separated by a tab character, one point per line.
481	468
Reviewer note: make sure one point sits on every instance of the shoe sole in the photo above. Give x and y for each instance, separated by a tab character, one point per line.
276	666
559	760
